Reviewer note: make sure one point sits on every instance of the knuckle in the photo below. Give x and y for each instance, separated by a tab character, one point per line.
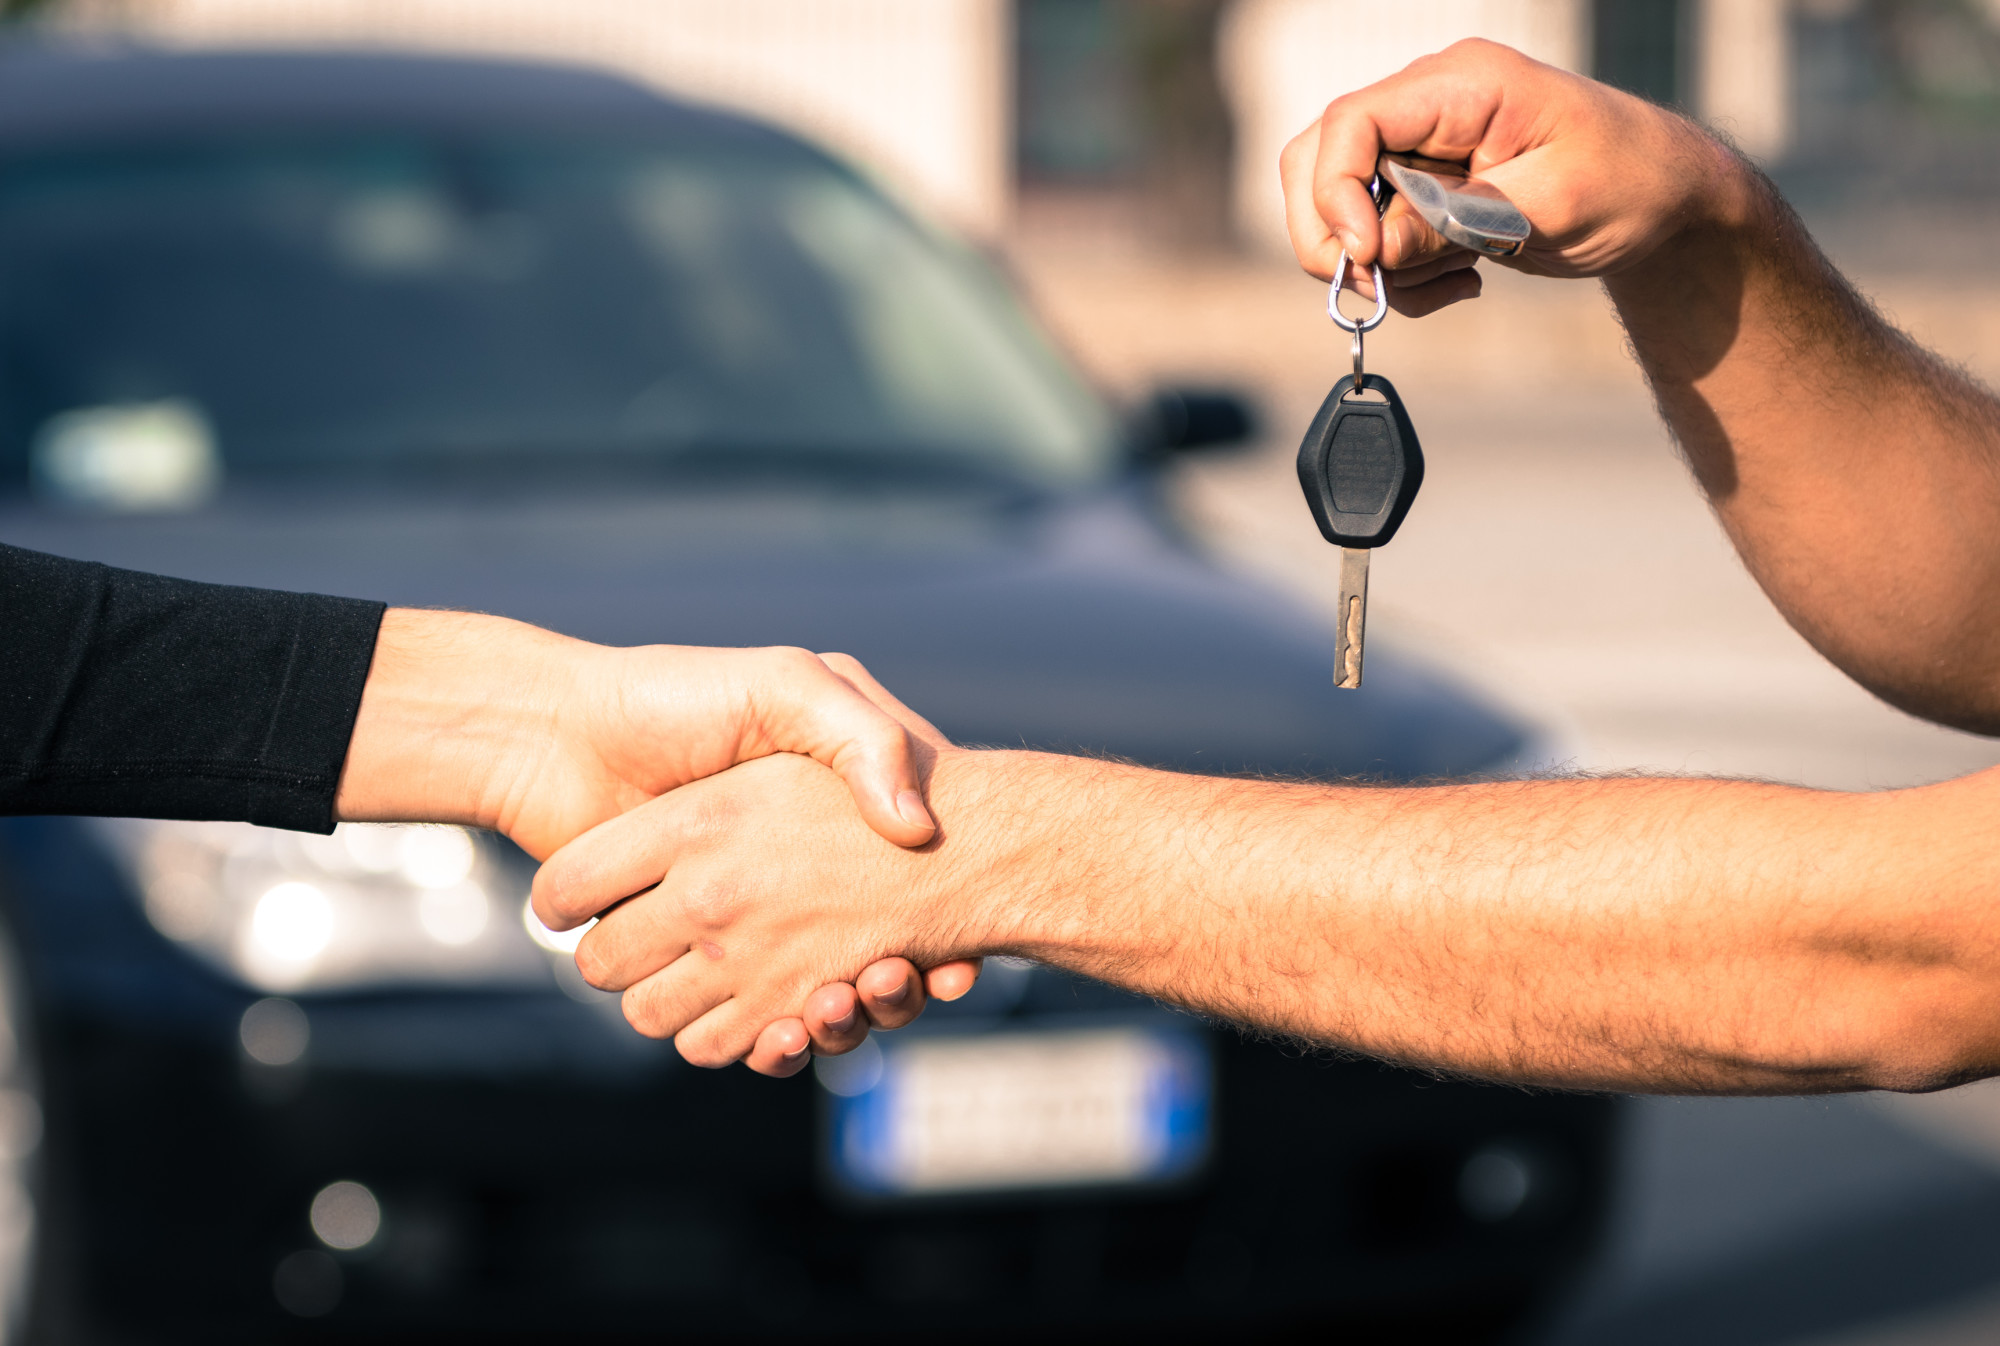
792	661
713	904
844	664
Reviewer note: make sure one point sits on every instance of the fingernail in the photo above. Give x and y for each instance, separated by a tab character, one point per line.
896	996
1348	242
910	807
796	1052
842	1024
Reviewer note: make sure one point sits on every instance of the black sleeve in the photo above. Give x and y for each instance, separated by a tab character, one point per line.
131	695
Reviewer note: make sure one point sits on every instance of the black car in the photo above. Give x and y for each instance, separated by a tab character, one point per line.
536	341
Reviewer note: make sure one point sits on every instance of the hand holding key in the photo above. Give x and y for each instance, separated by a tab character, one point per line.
1604	177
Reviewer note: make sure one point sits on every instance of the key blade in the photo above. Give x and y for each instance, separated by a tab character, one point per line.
1351	617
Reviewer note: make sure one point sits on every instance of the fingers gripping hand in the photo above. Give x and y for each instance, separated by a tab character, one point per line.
1602	176
887	994
755	889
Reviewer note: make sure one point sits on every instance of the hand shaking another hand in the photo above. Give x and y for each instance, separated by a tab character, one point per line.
730	939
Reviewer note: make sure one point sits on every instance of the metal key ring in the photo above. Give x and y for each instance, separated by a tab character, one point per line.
1341	320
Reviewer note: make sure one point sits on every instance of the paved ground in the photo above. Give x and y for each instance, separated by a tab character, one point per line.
1560	558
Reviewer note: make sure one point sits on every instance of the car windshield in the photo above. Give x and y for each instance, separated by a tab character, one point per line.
372	303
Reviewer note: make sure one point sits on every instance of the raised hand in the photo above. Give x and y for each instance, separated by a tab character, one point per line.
1604	177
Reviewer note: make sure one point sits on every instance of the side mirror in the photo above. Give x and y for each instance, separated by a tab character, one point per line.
1176	420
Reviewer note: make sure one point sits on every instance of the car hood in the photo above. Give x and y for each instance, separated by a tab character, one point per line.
1078	624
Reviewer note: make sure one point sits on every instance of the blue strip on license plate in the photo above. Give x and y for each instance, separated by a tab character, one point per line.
1072	1107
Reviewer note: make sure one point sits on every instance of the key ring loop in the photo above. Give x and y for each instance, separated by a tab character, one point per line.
1341	320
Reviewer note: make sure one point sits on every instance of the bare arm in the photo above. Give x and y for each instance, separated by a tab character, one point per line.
480	720
1857	474
1645	935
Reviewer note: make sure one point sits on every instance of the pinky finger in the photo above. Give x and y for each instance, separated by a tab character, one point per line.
1416	301
949	981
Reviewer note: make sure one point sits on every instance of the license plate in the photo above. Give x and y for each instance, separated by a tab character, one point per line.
936	1115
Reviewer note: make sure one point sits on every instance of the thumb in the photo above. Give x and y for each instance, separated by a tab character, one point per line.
837	724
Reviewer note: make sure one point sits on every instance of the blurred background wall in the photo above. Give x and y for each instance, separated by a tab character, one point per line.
962	102
915	89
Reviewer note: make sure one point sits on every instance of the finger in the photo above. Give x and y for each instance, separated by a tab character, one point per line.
1442	107
891	992
638	938
1343	167
1420	300
949	981
1415	277
783	1049
825	716
1408	239
1410	276
1313	239
722	1037
664	1004
835	1020
613	860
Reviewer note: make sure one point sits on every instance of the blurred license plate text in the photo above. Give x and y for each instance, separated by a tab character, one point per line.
935	1115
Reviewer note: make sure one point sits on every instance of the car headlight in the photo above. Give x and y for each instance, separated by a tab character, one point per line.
372	905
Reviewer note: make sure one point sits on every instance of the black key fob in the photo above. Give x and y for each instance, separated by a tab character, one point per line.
1360	464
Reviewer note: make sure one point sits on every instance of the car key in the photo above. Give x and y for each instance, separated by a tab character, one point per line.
1360	466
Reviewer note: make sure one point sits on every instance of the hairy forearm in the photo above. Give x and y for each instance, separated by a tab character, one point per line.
1633	934
1857	474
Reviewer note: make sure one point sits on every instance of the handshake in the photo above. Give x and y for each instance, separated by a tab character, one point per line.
691	801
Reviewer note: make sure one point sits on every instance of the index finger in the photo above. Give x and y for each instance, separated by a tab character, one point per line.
1443	107
612	861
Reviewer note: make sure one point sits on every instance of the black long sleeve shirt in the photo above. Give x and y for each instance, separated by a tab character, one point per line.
132	695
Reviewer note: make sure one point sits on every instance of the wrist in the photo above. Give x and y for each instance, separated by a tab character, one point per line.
1682	303
1725	194
1701	198
1040	855
989	889
457	709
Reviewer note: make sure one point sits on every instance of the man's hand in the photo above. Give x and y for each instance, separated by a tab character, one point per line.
494	723
727	935
622	857
1648	935
1604	177
1857	474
